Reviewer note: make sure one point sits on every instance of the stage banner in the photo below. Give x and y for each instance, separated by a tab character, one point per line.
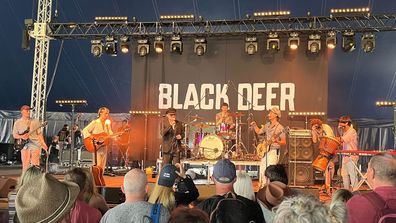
198	85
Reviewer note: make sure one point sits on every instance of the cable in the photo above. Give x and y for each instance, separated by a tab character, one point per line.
55	69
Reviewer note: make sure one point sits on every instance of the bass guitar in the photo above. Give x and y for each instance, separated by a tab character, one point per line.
264	146
20	143
100	139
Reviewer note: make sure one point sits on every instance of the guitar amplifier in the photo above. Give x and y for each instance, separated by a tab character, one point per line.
300	133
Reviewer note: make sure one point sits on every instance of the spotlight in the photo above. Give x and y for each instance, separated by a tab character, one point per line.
29	26
143	47
96	47
368	42
111	46
124	44
200	46
251	45
159	44
348	41
314	44
176	44
331	40
273	43
293	41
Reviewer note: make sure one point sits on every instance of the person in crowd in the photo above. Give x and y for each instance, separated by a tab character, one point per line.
45	199
28	135
301	209
276	172
191	215
91	195
244	186
349	141
81	211
381	175
54	150
172	134
163	190
135	208
274	137
185	190
342	195
99	126
224	177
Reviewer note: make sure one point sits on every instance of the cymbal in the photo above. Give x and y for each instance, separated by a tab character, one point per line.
196	117
201	125
237	114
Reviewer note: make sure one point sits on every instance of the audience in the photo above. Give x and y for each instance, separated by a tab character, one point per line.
224	176
270	196
185	190
188	215
82	212
337	204
135	208
91	195
163	189
45	199
381	175
276	173
243	185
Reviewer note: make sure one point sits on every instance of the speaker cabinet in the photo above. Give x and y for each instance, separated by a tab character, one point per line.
301	173
301	149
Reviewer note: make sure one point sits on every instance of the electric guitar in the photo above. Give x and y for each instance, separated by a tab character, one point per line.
20	143
264	146
100	139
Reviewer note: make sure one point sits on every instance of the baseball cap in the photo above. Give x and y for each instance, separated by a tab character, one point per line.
276	111
170	111
224	171
25	107
167	176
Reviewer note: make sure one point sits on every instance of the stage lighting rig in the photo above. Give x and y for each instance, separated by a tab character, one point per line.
251	45
348	41
368	42
177	17
124	44
200	46
314	44
176	44
271	14
143	47
294	41
159	44
96	47
331	40
111	46
385	103
273	43
344	11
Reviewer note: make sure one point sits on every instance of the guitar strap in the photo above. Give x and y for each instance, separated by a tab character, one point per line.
273	133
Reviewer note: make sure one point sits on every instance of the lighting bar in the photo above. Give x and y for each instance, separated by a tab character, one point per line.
111	18
210	123
70	102
349	10
307	113
385	103
141	112
271	13
176	17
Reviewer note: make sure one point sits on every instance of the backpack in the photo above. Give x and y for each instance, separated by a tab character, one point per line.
230	209
155	213
384	214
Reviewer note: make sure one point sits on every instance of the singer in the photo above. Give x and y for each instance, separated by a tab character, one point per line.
172	134
99	126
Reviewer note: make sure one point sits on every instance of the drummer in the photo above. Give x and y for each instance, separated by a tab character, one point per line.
224	118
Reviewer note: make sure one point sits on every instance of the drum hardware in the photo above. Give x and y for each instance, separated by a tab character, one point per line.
201	125
238	139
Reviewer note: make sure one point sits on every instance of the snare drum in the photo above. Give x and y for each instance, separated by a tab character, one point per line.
329	144
211	147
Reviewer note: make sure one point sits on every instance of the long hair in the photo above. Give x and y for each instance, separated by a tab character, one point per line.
91	189
164	196
29	174
243	186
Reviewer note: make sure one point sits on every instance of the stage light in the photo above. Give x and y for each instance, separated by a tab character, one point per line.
314	44
251	45
124	44
159	44
293	41
177	17
111	18
385	103
350	10
143	47
111	46
331	40
307	113
273	43
176	44
348	41
271	13
96	47
368	42
200	46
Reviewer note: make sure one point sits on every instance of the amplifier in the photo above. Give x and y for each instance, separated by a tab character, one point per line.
300	133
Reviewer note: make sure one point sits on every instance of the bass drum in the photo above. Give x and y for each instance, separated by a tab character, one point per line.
211	147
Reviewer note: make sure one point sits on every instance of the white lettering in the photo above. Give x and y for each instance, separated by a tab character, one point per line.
287	94
270	94
191	97
221	93
164	97
176	97
206	90
243	105
257	96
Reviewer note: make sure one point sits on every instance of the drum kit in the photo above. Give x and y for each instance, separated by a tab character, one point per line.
214	141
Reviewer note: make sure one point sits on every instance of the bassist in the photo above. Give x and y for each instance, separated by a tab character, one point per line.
99	126
270	130
31	151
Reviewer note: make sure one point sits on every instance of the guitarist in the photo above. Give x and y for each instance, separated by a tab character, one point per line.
30	154
98	126
172	134
275	138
